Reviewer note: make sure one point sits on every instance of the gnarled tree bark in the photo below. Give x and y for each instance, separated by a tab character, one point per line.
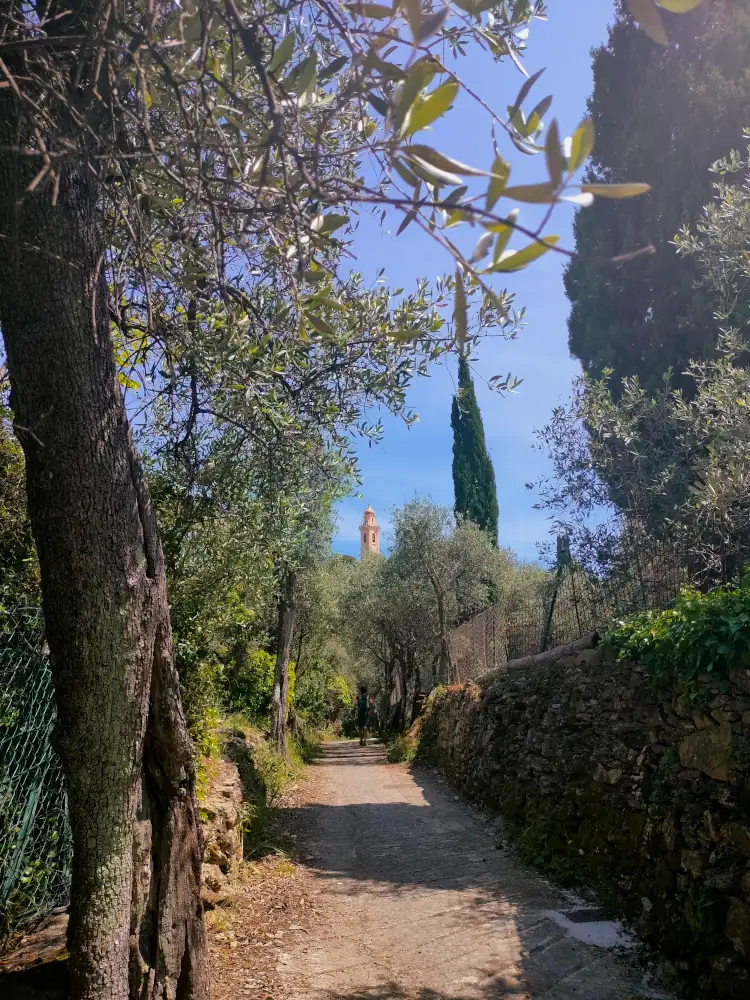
136	923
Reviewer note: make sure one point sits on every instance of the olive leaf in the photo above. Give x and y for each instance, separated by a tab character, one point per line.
649	18
679	6
441	161
542	194
376	11
430	107
283	53
553	155
615	190
500	175
514	260
581	144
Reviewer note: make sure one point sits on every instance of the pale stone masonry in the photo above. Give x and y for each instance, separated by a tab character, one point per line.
369	534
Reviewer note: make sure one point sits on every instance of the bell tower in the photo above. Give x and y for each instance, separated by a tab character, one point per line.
369	534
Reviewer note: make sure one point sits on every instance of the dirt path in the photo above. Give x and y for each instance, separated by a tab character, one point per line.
402	893
413	899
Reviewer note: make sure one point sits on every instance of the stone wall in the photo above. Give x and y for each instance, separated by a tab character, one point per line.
637	791
221	813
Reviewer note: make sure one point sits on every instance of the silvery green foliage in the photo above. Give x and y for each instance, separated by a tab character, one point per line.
661	464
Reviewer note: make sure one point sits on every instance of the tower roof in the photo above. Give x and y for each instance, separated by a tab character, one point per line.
369	511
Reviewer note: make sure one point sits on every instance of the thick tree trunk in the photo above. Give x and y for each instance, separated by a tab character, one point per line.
285	632
298	661
388	676
136	924
417	701
399	719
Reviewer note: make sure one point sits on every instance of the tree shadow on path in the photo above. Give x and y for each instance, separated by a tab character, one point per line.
419	884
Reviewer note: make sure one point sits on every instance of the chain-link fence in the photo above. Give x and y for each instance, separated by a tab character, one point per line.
478	645
35	845
635	574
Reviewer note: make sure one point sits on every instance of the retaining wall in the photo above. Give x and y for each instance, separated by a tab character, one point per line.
641	793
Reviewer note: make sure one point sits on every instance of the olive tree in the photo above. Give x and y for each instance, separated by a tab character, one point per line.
456	560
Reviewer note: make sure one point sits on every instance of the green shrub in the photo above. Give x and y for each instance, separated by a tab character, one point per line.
304	743
265	775
201	683
205	733
270	772
250	684
702	634
273	771
323	697
338	698
533	848
403	749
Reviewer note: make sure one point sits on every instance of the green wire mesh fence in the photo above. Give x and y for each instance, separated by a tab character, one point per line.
35	843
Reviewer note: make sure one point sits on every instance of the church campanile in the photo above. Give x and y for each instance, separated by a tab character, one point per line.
369	534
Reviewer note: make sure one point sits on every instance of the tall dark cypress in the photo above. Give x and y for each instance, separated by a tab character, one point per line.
473	474
661	115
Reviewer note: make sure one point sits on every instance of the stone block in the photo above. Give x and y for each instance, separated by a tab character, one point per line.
720	701
737	926
738	835
213	877
670	831
688	776
710	826
589	657
722	715
708	751
213	899
724	880
692	861
741	677
215	856
702	721
607	776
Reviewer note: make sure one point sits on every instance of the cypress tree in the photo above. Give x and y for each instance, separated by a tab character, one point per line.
661	115
473	474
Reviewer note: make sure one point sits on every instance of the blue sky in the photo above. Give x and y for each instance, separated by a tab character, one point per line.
418	460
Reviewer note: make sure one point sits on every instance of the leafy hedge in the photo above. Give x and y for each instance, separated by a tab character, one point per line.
251	684
323	696
403	749
702	634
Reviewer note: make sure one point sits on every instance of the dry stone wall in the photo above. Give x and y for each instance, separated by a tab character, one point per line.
221	815
640	792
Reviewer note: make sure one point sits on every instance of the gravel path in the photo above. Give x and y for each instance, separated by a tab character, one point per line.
414	899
